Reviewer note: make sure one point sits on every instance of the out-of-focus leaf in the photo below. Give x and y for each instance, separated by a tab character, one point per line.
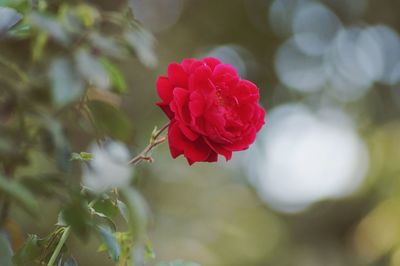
22	30
87	14
110	120
43	184
66	84
91	69
8	18
28	253
5	251
117	78
106	207
123	210
107	46
137	212
127	245
76	215
178	263
101	219
39	45
111	242
142	42
51	26
149	251
82	156
61	220
19	193
70	261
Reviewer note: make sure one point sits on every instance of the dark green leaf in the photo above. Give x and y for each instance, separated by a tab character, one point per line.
8	18
28	253
19	193
106	207
5	251
92	70
111	242
117	78
76	215
67	86
110	120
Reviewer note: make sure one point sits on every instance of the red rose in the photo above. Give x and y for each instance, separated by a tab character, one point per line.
212	110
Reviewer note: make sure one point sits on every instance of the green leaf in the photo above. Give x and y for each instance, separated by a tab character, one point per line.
111	242
67	86
19	193
117	78
110	120
8	18
29	252
21	30
5	251
137	212
91	69
104	210
82	156
178	263
77	215
106	207
142	42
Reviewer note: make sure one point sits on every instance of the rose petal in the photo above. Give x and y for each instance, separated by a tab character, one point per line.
187	64
164	89
212	62
177	75
190	134
180	104
219	149
197	104
166	109
200	80
194	151
224	69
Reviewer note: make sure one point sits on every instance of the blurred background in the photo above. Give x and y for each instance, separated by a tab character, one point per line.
320	187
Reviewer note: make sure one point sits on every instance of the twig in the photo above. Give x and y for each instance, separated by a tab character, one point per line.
154	141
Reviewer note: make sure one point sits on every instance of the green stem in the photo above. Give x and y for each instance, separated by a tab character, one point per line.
60	244
63	239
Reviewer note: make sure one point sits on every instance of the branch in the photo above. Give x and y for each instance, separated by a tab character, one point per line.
155	140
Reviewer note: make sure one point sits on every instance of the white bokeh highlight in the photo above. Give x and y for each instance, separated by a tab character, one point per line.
304	157
109	167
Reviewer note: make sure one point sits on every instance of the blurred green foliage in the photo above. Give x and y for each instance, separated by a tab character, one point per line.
64	84
60	74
